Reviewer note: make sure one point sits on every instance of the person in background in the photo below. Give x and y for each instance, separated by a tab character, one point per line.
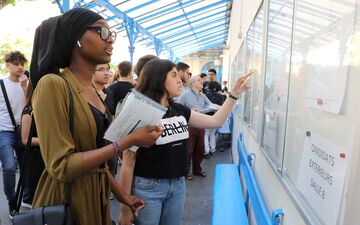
111	78
124	85
115	78
100	79
75	157
184	73
15	87
224	86
203	77
27	73
194	99
35	166
141	63
160	169
210	138
212	78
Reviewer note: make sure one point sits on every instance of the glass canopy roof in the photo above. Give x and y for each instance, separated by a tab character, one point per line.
179	27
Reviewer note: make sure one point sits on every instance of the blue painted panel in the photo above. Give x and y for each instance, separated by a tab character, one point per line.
229	208
257	204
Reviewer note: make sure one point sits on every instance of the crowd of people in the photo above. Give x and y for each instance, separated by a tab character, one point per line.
72	96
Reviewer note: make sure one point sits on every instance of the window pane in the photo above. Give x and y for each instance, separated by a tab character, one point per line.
323	105
254	60
277	77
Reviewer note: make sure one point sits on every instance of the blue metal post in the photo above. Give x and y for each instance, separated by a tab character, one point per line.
132	34
158	47
63	5
172	56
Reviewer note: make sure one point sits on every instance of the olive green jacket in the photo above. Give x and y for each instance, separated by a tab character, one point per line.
62	151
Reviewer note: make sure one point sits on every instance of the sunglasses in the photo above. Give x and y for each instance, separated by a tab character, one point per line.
105	32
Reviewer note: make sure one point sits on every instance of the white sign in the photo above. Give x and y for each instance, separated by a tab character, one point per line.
321	176
326	90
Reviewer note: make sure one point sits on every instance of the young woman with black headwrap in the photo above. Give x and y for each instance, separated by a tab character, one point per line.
76	42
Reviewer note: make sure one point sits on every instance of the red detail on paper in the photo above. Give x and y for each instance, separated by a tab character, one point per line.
319	101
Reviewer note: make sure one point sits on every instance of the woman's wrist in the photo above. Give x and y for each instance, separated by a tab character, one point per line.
127	141
233	96
117	149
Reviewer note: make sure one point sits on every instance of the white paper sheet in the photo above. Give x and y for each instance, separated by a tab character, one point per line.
137	110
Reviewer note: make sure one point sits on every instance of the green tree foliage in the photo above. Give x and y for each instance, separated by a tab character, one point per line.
4	3
10	43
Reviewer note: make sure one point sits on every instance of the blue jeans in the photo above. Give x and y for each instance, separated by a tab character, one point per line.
164	200
7	142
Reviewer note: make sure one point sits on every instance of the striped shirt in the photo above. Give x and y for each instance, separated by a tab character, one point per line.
198	102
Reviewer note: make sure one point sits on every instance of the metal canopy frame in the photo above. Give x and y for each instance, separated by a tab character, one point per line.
176	27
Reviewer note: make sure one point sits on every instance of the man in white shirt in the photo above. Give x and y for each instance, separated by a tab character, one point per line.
15	86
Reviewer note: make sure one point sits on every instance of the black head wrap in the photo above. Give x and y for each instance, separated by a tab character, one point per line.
55	40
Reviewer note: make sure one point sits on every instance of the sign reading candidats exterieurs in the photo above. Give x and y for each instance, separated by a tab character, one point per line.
321	176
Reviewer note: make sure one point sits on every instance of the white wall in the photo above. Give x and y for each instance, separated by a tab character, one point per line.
242	14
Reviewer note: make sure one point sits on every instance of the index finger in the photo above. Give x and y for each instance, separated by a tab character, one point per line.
248	75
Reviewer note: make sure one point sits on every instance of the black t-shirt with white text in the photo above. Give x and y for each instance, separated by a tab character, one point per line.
167	158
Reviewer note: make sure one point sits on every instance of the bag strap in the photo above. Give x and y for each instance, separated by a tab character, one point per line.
25	166
20	187
7	103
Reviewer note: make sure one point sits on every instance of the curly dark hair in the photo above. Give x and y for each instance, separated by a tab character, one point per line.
15	57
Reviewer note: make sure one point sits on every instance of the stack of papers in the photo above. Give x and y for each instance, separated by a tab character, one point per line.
137	110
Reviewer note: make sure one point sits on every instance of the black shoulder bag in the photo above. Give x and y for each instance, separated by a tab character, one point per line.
17	129
51	215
